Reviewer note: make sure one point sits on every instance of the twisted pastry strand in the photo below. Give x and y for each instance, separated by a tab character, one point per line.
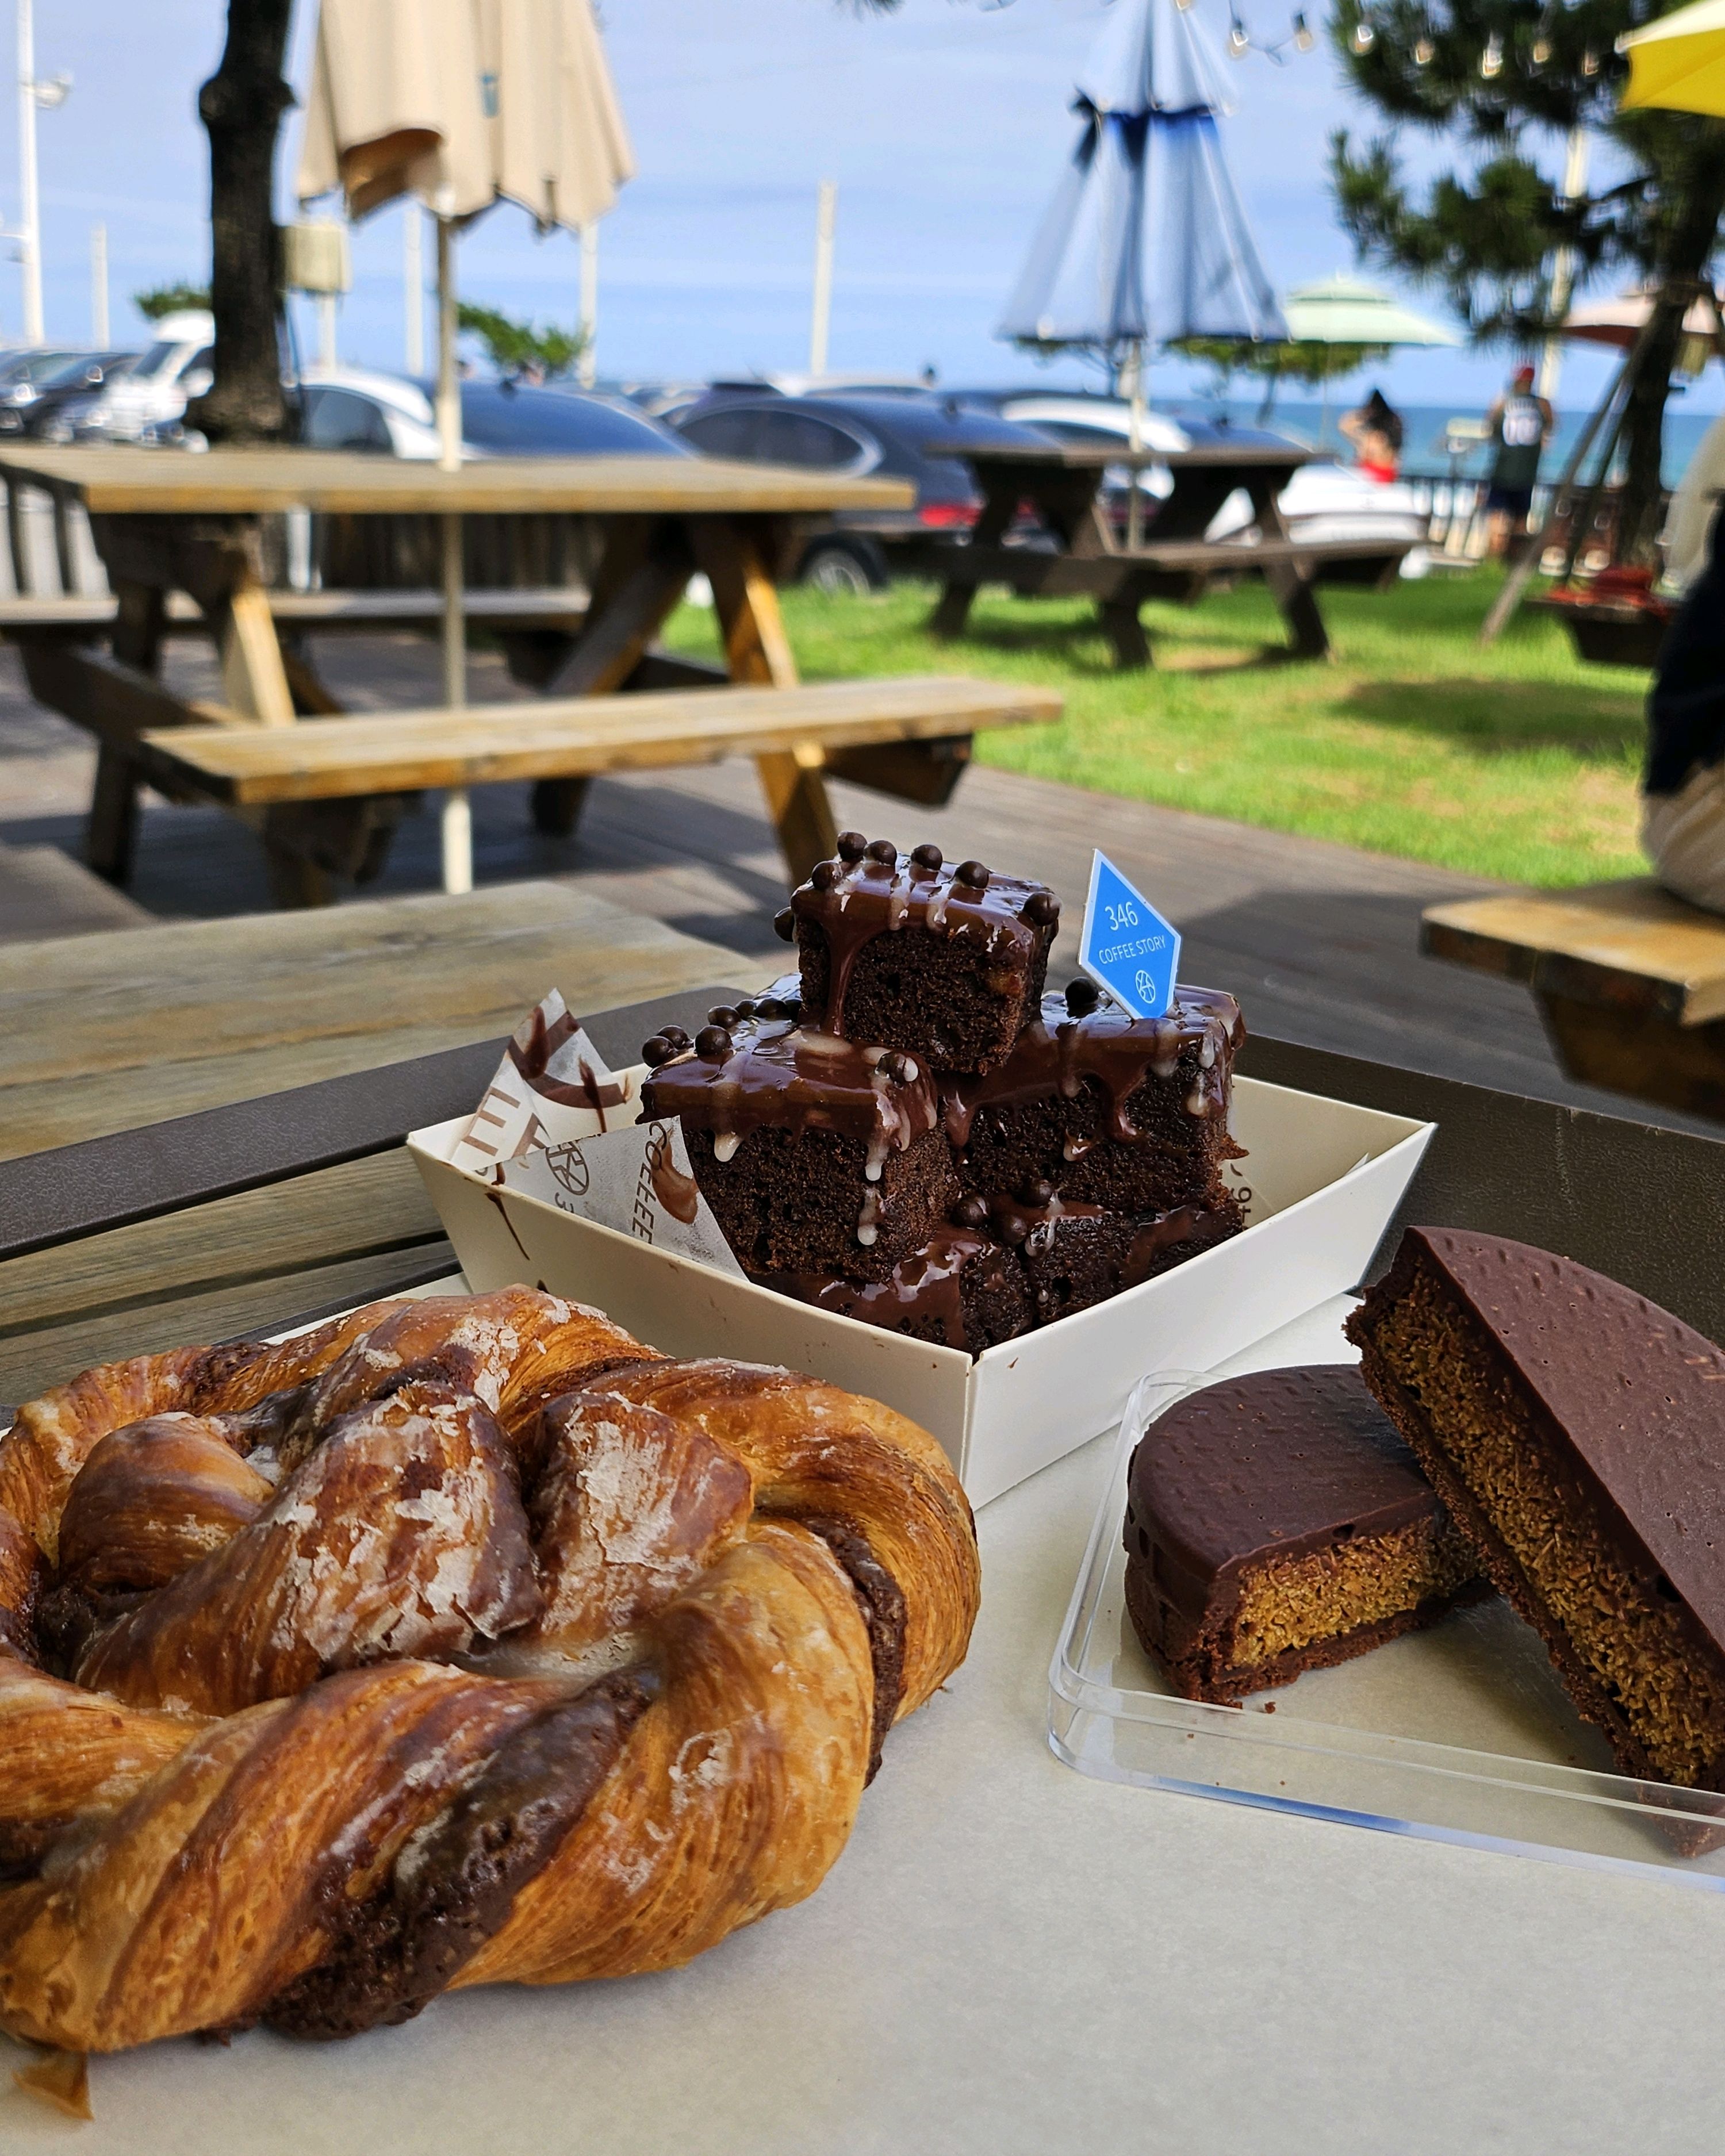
457	1641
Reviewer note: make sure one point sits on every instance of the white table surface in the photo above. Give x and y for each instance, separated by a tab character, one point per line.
1011	1956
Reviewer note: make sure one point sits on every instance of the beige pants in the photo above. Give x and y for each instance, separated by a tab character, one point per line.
1684	836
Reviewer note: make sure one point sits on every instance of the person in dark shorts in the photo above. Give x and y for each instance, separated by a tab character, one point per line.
1683	783
1521	426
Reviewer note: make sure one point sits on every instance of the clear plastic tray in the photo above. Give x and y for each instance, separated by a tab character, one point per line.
1461	1733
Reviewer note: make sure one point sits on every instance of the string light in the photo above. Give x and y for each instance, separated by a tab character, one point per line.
1424	53
1238	41
1542	51
1589	62
1304	40
1364	36
1491	59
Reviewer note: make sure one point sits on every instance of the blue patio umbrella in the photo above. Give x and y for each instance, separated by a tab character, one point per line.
1145	241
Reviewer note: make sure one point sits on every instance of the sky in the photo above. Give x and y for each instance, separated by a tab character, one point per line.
945	125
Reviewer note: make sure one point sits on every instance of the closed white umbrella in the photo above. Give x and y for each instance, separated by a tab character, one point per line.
463	103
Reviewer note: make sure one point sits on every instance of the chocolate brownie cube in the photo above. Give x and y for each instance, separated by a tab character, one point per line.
1129	1114
1076	1255
909	952
816	1154
961	1290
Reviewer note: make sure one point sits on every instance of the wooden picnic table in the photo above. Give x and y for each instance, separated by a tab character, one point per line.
1062	486
1629	981
165	522
103	1033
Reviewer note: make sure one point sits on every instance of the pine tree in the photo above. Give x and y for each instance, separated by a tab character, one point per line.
1512	78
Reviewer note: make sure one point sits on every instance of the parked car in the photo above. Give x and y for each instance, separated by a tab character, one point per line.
893	436
38	408
22	376
158	387
389	415
1323	500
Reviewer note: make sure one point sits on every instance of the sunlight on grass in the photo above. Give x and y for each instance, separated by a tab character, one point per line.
1517	762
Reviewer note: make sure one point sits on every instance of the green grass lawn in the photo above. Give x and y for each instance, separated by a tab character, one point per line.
1518	762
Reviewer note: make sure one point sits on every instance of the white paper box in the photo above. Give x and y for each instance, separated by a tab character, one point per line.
1325	1177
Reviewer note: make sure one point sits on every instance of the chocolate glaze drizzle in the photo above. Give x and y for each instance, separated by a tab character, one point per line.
926	1285
853	900
1058	1052
770	1073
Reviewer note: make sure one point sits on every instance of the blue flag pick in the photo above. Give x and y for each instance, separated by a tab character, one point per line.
1127	947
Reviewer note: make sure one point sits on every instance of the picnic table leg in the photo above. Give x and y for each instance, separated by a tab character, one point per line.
951	611
756	649
1292	590
641	578
1120	620
111	837
1290	584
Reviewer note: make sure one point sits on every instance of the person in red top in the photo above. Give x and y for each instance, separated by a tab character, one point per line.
1375	431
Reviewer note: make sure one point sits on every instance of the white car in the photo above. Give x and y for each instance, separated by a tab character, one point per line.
174	370
1323	500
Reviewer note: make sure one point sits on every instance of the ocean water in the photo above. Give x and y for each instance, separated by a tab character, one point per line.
1422	454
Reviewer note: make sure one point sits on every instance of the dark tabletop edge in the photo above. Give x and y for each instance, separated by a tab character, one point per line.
74	1191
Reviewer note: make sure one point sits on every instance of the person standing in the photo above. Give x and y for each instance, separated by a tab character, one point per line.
1521	425
1683	780
1376	433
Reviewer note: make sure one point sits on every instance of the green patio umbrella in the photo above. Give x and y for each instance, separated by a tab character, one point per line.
1343	310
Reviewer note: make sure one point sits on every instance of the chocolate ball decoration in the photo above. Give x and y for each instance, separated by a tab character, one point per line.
675	1036
927	857
824	875
1037	1192
722	1016
1009	1226
852	845
884	851
973	875
714	1043
784	924
1082	996
1042	909
971	1212
656	1051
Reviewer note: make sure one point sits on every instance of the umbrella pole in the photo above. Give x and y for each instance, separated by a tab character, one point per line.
1134	503
457	833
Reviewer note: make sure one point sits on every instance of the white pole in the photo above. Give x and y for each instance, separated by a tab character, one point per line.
456	833
1562	277
825	218
413	288
1135	439
99	286
30	217
589	304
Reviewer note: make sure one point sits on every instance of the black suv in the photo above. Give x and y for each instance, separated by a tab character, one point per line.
891	436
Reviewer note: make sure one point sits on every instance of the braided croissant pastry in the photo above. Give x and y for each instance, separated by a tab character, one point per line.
458	1641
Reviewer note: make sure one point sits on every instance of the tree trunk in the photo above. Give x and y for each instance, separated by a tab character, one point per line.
241	107
1681	276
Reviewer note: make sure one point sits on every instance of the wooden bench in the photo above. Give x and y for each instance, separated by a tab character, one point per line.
273	771
80	613
1630	981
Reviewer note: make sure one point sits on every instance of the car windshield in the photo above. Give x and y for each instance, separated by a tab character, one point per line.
78	367
37	366
157	359
522	423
